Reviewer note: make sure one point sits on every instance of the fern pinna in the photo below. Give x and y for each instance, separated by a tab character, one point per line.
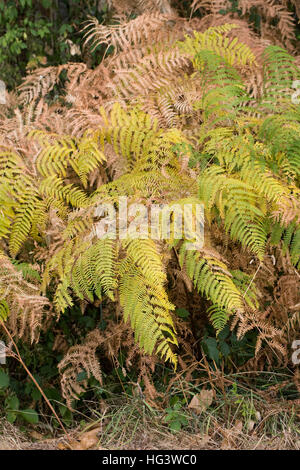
210	140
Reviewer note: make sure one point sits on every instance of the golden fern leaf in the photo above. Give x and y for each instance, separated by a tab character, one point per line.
214	39
148	308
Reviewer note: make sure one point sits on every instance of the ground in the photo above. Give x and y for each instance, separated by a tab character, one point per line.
132	426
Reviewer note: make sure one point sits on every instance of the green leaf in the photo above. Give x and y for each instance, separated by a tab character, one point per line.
11	417
224	333
224	348
63	409
4	379
30	415
12	403
46	3
36	394
81	376
212	348
175	425
182	312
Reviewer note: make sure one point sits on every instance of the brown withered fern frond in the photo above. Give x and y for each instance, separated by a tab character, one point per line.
117	337
210	6
150	74
82	359
161	6
79	359
42	81
269	11
145	29
296	5
127	7
278	325
28	309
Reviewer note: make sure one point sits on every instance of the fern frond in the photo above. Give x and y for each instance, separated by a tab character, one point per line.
4	310
129	34
214	39
280	71
22	306
238	206
212	278
219	317
148	308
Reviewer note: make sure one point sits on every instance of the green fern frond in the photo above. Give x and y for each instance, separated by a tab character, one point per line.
218	316
247	286
148	308
211	278
146	257
103	256
237	204
4	310
27	270
214	39
280	71
55	187
60	153
28	215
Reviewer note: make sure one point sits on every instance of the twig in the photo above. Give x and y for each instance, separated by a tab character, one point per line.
19	358
254	276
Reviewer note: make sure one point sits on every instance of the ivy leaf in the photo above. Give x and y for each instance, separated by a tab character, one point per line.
175	425
12	406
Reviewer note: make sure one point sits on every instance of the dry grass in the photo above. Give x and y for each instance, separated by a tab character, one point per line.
127	423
